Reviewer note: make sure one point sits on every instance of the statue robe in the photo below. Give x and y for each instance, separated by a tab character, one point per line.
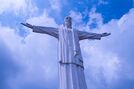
71	69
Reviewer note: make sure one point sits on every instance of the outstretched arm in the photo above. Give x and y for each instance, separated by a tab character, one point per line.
94	36
45	30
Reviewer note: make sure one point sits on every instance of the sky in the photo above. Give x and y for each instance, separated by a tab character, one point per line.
29	60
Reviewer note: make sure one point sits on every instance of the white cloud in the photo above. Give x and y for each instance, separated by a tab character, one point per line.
126	22
95	18
55	5
77	21
43	20
99	60
23	7
37	56
109	59
77	17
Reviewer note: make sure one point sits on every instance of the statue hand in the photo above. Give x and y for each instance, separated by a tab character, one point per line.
105	34
27	25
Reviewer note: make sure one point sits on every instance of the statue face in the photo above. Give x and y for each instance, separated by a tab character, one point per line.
68	22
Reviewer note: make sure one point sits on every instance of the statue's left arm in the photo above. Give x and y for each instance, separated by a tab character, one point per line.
94	36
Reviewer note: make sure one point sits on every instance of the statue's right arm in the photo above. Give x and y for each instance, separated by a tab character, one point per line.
45	30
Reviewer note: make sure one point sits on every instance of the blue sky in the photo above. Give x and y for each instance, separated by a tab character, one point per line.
29	60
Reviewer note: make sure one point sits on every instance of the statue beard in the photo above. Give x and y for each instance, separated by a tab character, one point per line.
68	24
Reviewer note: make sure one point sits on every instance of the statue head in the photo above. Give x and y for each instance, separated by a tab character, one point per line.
68	22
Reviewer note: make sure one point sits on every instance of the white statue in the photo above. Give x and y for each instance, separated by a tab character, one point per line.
71	69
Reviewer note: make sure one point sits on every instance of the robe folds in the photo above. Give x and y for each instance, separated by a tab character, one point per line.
71	70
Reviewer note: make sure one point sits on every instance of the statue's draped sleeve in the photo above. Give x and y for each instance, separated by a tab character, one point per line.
86	35
46	30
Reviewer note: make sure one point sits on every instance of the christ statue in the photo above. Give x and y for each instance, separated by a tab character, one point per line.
70	61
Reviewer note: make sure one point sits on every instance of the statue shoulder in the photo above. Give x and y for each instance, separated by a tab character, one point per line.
61	26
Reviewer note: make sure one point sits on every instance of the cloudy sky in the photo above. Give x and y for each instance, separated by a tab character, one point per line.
29	60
